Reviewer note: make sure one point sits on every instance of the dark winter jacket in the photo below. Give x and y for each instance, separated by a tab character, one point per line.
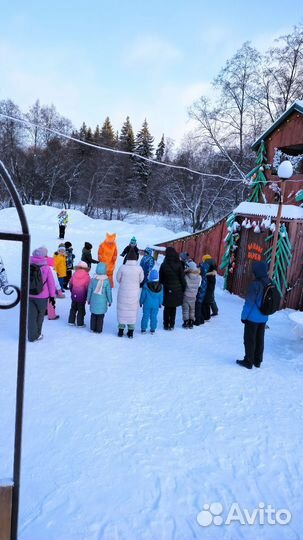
87	257
173	279
253	300
210	282
69	259
152	295
126	250
204	267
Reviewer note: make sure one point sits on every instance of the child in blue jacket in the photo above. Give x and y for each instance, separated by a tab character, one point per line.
147	262
99	296
151	299
254	321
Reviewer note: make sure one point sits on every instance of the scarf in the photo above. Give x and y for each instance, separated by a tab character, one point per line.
100	281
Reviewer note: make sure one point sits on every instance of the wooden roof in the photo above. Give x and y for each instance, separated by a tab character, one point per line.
296	106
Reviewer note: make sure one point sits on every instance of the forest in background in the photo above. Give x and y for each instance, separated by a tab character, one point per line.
249	93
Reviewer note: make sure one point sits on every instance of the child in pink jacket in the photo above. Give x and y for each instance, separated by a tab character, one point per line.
78	286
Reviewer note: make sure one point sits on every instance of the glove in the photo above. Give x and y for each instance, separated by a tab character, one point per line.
52	301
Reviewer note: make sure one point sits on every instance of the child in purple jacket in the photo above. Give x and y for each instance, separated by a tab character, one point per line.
78	286
38	302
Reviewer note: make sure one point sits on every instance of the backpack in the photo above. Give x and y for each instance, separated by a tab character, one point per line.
35	280
270	300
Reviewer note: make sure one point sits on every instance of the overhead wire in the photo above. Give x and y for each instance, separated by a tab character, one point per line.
131	154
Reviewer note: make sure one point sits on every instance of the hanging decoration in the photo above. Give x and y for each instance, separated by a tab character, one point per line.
282	259
231	240
280	156
257	177
299	197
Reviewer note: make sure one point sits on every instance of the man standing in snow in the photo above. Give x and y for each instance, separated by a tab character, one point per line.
254	321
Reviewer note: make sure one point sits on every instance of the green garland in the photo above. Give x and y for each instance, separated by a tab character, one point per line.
230	241
282	259
257	175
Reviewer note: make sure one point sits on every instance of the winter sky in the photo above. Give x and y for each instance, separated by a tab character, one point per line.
118	58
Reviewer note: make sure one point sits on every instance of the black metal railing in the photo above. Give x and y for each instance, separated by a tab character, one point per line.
22	297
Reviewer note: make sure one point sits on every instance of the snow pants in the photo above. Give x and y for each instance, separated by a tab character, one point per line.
61	231
188	310
51	311
254	342
214	307
36	313
169	317
77	310
149	314
67	278
96	323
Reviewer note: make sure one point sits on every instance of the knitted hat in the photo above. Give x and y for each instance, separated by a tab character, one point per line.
68	245
132	255
101	268
61	248
206	257
87	245
153	275
82	264
40	252
184	256
148	250
133	241
191	266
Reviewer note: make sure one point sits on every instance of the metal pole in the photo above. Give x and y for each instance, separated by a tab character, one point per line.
24	237
277	230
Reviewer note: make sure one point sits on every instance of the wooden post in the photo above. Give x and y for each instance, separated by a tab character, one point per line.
6	493
277	230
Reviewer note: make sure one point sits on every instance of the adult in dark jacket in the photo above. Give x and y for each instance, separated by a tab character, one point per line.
132	245
87	255
172	278
254	321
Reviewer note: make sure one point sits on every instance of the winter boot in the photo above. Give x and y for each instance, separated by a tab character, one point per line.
190	323
120	332
185	324
130	333
244	363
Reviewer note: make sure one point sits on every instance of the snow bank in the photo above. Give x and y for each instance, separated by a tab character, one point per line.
129	439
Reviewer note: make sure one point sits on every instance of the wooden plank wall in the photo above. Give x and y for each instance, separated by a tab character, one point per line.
210	241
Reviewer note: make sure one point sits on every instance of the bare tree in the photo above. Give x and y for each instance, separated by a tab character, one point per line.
282	75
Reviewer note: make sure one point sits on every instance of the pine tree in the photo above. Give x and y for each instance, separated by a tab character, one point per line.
89	135
107	134
144	141
257	175
161	149
97	135
142	168
83	132
127	138
282	258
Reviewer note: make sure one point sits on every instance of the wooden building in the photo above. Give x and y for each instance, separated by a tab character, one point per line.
282	140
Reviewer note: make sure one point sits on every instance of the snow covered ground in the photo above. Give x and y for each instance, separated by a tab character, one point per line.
129	439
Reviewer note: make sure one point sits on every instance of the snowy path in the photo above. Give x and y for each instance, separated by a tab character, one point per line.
127	440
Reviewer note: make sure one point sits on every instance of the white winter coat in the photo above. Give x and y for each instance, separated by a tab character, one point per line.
129	275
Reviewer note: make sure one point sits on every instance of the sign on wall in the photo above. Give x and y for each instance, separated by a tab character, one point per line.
254	252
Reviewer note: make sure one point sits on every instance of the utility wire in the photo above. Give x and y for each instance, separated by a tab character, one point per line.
133	154
115	151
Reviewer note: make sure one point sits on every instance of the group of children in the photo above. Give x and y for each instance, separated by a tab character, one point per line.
197	295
